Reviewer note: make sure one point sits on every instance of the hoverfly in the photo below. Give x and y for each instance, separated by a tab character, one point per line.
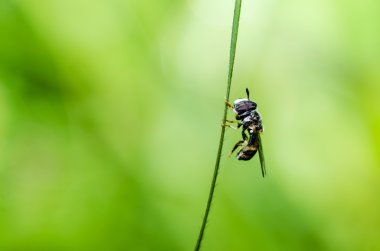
248	117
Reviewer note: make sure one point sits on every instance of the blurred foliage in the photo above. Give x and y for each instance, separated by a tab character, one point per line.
110	116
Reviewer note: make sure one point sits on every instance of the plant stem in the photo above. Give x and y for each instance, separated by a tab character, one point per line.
235	28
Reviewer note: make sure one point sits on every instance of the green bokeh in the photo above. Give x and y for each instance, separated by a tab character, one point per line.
110	116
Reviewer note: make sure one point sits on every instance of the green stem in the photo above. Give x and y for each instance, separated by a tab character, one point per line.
235	28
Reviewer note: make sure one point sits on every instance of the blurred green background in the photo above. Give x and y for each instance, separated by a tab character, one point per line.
110	117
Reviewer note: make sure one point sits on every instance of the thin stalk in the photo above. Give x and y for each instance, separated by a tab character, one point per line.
234	34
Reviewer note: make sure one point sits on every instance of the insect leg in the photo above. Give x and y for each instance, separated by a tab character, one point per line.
239	143
239	124
229	105
245	137
230	126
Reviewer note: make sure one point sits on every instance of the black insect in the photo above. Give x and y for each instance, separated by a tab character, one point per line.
250	120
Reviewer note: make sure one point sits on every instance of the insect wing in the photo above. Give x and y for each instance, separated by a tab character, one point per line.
261	155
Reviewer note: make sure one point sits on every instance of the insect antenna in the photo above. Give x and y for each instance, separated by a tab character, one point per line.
247	91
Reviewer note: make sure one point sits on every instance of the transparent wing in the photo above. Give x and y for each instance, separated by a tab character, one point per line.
261	155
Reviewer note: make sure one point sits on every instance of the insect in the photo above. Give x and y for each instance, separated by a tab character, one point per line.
250	120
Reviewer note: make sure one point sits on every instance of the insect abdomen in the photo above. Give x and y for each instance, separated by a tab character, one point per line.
246	153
